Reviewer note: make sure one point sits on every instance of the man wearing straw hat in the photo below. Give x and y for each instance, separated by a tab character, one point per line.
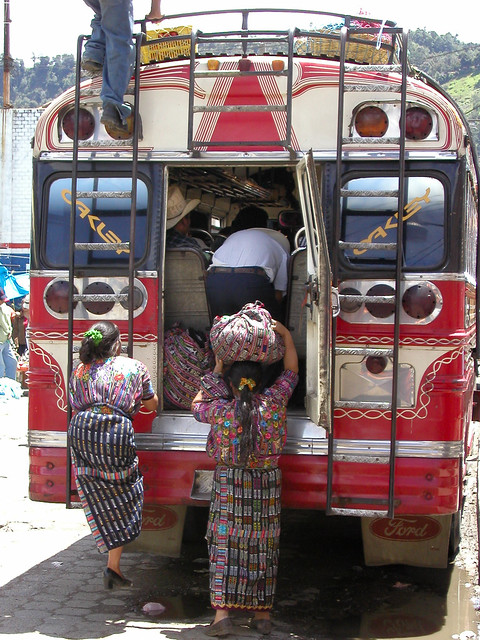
178	220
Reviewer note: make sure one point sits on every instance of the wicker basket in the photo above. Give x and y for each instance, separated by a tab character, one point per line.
168	49
361	48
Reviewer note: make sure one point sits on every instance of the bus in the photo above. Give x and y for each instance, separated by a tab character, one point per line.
368	168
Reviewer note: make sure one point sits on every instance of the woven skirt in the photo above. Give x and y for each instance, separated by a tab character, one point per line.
243	536
109	483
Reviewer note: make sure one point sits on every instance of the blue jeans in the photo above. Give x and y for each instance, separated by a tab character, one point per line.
8	361
111	45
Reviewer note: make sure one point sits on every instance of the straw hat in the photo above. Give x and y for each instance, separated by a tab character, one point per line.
177	206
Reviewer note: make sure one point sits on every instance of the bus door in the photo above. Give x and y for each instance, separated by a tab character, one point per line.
319	298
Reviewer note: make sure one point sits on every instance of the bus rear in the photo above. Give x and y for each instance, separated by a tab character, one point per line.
369	171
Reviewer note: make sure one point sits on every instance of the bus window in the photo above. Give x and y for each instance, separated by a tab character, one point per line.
374	218
98	220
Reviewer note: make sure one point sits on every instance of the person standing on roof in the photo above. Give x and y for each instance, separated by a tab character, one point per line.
109	52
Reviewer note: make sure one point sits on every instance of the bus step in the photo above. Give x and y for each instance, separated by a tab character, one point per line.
372	88
86	144
104	194
74	505
101	297
102	246
365	513
384	246
352	404
237	108
363	351
382	68
378	141
349	193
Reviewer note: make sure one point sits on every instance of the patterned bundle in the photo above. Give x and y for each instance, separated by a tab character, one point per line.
246	335
187	357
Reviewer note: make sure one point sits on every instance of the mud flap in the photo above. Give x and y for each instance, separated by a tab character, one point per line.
416	541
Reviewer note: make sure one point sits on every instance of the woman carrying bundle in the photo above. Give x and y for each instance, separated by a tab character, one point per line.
247	434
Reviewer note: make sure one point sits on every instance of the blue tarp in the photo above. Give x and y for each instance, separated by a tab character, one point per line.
14	286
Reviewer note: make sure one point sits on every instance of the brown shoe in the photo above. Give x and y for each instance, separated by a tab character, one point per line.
221	628
262	625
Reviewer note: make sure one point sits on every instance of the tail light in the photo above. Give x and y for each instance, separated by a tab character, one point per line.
418	123
56	296
86	124
371	122
419	301
381	309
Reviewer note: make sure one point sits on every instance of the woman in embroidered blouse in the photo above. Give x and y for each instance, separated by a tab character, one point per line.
247	435
106	391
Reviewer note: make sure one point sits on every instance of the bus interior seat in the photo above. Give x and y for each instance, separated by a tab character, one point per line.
185	294
296	312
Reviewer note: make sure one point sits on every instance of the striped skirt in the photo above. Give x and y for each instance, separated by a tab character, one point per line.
243	536
109	483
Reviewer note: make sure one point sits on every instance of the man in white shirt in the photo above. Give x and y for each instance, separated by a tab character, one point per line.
252	264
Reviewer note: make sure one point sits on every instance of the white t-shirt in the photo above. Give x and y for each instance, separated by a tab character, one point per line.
256	248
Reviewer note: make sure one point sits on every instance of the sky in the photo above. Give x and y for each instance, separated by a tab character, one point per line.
51	27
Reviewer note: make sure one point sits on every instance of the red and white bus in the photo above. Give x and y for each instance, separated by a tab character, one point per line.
370	170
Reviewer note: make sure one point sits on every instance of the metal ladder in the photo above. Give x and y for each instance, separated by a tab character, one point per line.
242	36
345	505
76	247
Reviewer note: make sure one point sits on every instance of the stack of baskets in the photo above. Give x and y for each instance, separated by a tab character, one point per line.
362	48
170	49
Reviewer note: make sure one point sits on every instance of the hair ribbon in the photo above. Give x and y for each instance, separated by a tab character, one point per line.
95	335
247	382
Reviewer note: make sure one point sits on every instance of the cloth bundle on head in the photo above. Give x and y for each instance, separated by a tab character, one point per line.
187	357
247	335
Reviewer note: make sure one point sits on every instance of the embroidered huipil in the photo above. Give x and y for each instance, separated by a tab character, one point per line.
117	383
218	408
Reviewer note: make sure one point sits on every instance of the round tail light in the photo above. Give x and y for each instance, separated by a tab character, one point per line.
137	298
419	301
56	296
371	122
350	306
86	124
418	123
376	364
99	306
381	309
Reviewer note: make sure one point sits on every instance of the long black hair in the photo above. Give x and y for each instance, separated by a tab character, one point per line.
246	377
99	342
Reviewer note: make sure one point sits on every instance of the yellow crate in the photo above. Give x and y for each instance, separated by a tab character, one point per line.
161	50
362	49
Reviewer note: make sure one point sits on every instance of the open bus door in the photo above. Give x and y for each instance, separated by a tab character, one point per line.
319	302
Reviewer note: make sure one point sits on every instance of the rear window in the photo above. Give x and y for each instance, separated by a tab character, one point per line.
373	218
98	220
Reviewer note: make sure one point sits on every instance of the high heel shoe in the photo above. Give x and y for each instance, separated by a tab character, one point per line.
113	580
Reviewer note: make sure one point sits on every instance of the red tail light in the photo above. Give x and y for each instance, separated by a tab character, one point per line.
86	124
381	309
419	123
419	301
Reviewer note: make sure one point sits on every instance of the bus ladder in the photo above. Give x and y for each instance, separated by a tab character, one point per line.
196	145
76	247
367	505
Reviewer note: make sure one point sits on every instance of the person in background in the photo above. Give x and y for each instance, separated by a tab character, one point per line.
250	265
178	220
110	53
106	391
8	361
19	327
248	429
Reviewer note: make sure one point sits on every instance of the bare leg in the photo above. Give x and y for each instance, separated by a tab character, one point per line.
113	563
220	614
